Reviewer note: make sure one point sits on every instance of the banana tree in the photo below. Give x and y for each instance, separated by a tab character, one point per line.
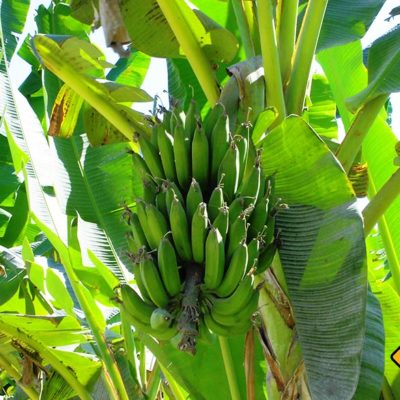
321	322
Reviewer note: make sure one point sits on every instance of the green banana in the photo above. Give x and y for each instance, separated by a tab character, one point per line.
155	129
253	249
219	144
237	233
180	230
199	232
237	300
214	259
137	232
191	120
144	223
221	222
235	271
140	166
168	266
157	224
215	203
166	122
236	208
182	157
266	257
176	119
150	190
133	245
171	190
135	305
200	157
270	231
151	157
166	148
225	331
213	116
160	319
146	328
242	315
193	198
251	186
258	217
228	171
139	281
242	145
161	203
152	281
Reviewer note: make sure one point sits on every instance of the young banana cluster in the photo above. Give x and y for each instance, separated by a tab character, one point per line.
203	228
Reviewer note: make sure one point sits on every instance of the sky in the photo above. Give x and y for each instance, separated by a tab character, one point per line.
156	78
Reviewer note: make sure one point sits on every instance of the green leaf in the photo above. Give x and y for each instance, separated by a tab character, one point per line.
372	363
13	15
65	113
390	303
151	34
383	67
264	121
5	218
378	148
322	254
321	113
347	21
130	71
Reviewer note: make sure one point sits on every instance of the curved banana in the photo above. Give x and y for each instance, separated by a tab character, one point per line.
137	231
266	256
251	186
212	117
160	319
191	119
237	300
215	203
142	216
168	267
228	171
258	217
152	281
221	222
235	271
193	198
180	230
237	233
183	165
200	157
236	208
219	144
239	317
171	190
140	166
224	330
135	304
166	148
157	224
151	157
199	232
167	334
139	281
214	259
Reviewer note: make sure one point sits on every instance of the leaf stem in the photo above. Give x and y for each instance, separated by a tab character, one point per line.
270	56
286	32
304	54
359	128
47	354
229	368
112	375
381	201
374	212
131	354
191	47
13	372
244	29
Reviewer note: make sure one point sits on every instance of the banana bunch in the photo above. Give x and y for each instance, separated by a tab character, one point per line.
201	231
